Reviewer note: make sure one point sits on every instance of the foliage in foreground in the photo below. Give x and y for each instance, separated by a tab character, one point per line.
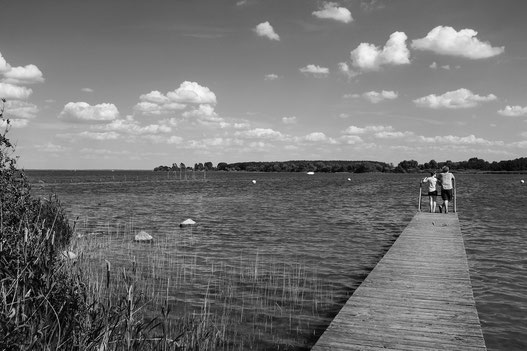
44	300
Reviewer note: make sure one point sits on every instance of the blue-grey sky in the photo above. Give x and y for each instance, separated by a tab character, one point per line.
126	84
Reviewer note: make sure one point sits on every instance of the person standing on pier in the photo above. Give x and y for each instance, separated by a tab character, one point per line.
447	181
432	191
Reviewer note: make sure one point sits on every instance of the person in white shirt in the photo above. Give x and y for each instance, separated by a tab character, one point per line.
432	191
447	181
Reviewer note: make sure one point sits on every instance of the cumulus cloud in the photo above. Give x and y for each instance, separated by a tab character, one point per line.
82	111
316	136
345	69
4	66
289	120
331	10
23	75
10	91
461	98
513	111
265	29
192	93
447	41
315	70
187	94
376	97
21	109
368	57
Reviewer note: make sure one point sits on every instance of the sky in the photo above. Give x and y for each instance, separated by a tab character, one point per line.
127	84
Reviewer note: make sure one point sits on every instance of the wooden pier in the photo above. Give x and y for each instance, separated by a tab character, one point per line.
418	297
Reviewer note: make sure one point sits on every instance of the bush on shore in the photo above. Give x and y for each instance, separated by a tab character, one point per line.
44	299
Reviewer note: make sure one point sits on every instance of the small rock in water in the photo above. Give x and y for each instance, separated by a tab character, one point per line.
143	236
69	255
187	222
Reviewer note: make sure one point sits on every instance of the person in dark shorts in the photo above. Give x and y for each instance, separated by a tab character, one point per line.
432	191
447	181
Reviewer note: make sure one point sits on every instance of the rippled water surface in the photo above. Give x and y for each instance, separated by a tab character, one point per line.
293	246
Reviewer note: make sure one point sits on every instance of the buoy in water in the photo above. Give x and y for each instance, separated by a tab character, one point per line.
187	222
349	179
522	181
143	236
254	181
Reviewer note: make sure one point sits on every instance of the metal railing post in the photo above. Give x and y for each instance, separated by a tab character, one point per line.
420	195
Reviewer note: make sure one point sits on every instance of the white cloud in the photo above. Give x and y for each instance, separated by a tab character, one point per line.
265	29
316	136
289	120
376	97
368	57
392	135
192	93
354	130
315	70
271	76
24	75
82	111
129	126
513	111
371	5
447	41
99	135
461	98
351	139
433	65
50	147
345	69
188	93
456	140
21	109
331	10
261	133
204	114
4	66
10	91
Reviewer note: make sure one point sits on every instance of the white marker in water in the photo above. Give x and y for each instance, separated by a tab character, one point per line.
349	179
522	181
254	181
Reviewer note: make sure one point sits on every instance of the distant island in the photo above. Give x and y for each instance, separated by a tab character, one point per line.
406	166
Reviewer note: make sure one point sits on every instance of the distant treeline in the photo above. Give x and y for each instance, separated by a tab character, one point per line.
406	166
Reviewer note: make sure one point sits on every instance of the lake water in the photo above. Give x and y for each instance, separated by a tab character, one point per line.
293	247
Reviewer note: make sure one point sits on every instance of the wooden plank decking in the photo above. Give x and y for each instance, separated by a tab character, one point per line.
418	297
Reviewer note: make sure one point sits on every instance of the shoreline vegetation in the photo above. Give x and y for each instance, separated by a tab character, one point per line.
474	164
49	298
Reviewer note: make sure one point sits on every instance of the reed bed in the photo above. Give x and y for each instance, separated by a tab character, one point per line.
256	300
